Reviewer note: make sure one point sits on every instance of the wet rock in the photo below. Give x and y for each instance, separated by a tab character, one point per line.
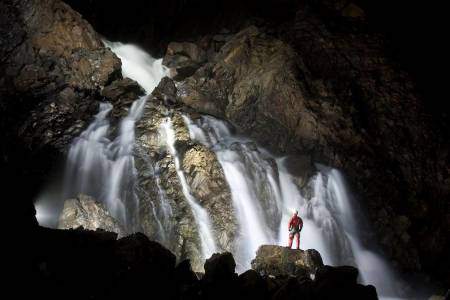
183	59
84	211
282	261
202	172
122	92
207	181
165	92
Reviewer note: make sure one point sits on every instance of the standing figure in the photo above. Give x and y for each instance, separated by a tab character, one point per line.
295	226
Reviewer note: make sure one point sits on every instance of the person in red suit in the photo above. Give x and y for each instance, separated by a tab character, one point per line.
295	226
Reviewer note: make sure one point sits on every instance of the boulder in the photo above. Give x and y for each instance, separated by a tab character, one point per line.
84	211
165	92
220	266
252	286
140	262
122	92
220	279
206	178
186	281
282	261
183	59
341	283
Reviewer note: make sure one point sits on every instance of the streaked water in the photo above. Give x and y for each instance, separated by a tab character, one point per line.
208	244
103	167
265	196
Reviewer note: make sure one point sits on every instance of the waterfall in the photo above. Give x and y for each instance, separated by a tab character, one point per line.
264	197
139	65
263	192
200	215
105	168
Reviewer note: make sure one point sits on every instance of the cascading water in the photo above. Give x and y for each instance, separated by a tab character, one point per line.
247	176
161	210
103	168
262	193
200	215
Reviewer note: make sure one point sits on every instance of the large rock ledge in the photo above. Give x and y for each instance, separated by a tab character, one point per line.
281	261
82	264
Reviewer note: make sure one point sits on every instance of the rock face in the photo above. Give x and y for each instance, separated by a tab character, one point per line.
282	261
56	66
84	211
165	213
53	66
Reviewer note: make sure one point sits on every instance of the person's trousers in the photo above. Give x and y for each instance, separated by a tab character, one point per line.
291	238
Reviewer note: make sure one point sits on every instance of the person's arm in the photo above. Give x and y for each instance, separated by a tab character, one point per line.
290	223
301	224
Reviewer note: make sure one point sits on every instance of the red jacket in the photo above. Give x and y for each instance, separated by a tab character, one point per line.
295	222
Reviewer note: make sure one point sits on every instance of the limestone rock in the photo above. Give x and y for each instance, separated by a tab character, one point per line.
84	211
282	261
203	174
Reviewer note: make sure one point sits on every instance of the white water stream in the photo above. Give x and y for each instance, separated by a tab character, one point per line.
201	217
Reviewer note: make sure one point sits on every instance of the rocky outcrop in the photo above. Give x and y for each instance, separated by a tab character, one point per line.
116	269
84	211
282	261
